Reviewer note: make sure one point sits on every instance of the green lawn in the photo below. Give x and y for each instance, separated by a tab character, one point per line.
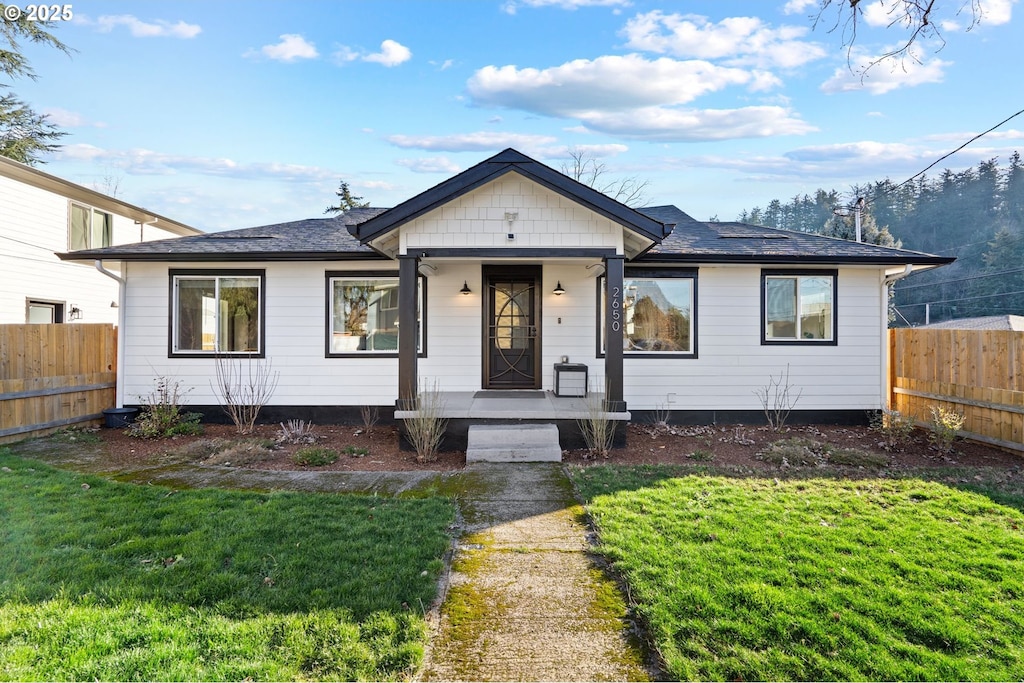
816	579
110	581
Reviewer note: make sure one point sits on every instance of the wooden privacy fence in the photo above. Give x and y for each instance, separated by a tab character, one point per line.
54	375
978	373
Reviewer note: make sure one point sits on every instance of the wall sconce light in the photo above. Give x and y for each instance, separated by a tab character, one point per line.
75	313
465	288
559	289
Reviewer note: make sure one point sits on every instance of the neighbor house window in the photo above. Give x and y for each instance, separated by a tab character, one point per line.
798	307
90	228
658	307
44	311
363	314
217	312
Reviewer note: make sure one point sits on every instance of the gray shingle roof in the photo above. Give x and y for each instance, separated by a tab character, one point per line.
310	239
724	242
988	322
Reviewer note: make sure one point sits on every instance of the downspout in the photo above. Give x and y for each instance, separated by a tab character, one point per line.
887	281
119	390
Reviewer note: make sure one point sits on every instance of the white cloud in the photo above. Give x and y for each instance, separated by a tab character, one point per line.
157	28
392	53
442	66
693	125
291	47
879	75
736	40
430	165
797	6
470	142
69	119
637	98
879	13
614	83
512	6
149	162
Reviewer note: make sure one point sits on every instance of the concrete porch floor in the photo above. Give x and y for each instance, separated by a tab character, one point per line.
479	405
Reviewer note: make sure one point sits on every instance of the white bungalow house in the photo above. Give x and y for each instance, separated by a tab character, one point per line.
41	214
515	278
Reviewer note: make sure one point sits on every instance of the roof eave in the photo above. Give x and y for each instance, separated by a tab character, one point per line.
235	257
812	259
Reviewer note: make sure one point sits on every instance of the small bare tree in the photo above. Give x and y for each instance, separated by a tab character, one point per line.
244	386
585	168
597	428
777	399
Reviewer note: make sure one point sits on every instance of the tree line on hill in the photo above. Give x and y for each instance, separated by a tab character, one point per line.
976	215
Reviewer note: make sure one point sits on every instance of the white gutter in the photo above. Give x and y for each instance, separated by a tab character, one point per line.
887	282
119	390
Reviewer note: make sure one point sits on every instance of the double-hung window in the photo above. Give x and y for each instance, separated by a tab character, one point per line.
362	316
658	312
217	312
89	228
798	307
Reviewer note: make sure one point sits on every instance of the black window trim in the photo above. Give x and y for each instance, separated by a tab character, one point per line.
328	313
800	272
653	272
172	301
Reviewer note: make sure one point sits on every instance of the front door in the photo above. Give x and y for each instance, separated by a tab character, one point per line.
511	335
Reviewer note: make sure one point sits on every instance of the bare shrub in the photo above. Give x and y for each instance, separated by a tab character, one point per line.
597	429
370	416
945	426
296	431
895	428
162	413
425	431
777	399
244	387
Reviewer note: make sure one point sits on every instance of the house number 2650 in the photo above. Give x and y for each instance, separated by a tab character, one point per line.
615	303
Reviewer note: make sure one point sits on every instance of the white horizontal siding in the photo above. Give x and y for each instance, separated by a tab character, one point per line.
33	226
732	363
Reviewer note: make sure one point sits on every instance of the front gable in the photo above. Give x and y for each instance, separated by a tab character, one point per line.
511	201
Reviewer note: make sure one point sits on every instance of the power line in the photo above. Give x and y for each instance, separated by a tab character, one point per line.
946	156
966	298
27	244
962	279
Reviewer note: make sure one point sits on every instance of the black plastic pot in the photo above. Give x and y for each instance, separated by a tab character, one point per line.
119	417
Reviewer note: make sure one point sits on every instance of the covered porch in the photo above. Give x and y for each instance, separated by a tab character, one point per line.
519	405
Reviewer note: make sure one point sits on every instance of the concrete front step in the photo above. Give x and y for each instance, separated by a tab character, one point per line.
513	443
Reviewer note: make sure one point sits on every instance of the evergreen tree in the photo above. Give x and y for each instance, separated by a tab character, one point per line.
25	135
346	200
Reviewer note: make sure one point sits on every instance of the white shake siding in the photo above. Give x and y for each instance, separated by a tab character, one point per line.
34	225
732	363
295	340
544	219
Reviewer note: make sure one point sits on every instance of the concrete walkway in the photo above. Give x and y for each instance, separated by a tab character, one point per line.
523	600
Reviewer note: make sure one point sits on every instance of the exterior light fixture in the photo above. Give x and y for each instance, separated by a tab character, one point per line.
559	289
465	288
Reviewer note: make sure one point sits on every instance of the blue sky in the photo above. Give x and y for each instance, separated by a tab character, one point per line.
235	114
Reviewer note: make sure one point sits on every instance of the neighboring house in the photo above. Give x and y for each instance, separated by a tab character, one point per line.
503	272
1013	323
41	214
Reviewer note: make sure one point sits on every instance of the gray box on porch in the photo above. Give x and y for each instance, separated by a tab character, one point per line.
571	379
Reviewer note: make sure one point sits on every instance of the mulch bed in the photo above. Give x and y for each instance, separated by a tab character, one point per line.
731	447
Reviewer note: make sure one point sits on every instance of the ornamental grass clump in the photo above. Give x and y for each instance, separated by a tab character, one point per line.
425	430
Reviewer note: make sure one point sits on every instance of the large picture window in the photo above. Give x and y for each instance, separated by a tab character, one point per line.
363	314
89	228
658	308
798	307
217	312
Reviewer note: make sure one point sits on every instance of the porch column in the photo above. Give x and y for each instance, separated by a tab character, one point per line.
407	333
614	321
